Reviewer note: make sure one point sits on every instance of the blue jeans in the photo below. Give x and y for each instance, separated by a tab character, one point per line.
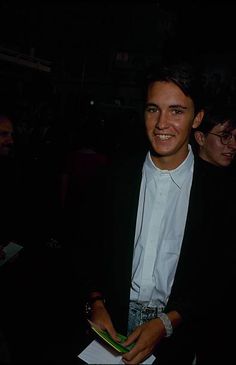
139	314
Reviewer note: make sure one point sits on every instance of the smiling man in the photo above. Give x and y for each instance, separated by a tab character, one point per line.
169	117
154	275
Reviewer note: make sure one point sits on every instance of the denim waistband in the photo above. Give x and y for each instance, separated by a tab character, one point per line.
146	308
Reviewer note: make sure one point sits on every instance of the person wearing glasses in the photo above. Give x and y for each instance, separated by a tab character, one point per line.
216	136
154	272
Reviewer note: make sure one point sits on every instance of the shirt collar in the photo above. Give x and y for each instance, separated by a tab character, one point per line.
177	175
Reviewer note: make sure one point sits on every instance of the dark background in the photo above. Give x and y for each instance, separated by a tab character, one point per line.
63	64
57	56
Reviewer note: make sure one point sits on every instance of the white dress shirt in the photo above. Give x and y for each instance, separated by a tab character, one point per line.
161	218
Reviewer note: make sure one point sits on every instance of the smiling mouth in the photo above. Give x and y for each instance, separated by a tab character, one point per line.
163	137
229	155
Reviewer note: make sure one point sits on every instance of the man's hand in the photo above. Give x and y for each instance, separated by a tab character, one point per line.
146	336
102	319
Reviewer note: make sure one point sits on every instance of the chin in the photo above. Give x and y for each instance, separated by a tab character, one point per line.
162	151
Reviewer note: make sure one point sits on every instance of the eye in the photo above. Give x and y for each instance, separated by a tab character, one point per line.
151	109
226	136
177	111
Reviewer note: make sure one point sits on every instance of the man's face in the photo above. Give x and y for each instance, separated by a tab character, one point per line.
6	139
213	150
169	118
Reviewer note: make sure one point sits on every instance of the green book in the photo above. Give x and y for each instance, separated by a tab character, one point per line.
107	338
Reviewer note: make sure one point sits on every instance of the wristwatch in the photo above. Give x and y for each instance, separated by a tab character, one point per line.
88	304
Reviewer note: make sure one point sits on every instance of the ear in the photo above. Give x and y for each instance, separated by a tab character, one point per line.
198	119
199	137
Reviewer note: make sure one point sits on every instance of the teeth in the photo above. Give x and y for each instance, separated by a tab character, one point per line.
163	137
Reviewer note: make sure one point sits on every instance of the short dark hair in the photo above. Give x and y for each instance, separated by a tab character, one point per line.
217	114
185	75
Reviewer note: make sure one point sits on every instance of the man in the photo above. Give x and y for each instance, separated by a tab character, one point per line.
216	136
9	180
154	275
6	181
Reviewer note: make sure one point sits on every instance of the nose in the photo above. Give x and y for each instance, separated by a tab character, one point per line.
162	121
232	142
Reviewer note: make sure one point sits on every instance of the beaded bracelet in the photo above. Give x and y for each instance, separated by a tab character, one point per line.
167	324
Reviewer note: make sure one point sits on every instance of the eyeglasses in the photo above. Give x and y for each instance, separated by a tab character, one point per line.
225	138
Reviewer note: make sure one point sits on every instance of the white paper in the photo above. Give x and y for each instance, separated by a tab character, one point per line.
10	250
97	353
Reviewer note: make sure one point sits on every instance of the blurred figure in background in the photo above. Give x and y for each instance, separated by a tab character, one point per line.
216	136
214	142
8	181
9	178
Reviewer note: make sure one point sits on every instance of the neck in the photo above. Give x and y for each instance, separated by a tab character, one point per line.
168	162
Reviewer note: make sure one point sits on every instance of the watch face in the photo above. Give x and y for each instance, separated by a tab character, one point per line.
88	309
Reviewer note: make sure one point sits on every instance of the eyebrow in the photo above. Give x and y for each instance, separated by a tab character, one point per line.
170	106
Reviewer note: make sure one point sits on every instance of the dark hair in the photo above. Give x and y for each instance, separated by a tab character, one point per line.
217	114
185	75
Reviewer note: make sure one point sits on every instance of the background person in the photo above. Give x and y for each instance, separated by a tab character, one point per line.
8	181
216	136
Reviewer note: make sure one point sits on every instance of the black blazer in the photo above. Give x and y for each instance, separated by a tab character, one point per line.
207	242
